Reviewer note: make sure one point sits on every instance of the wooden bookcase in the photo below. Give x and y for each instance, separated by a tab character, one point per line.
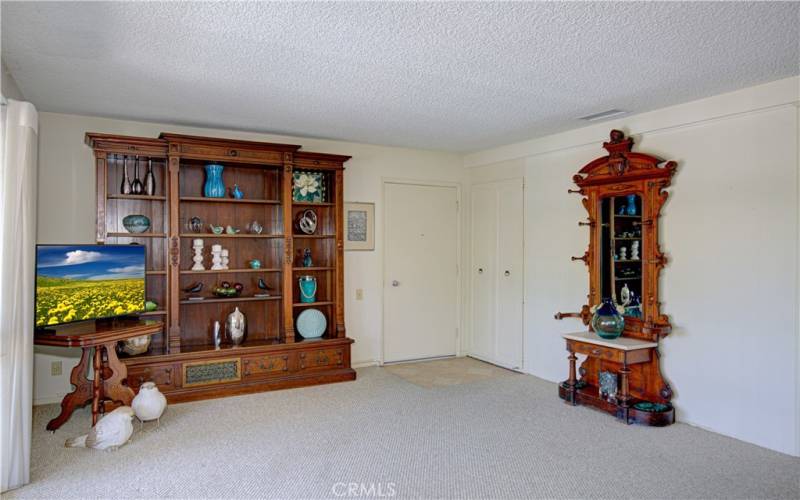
183	359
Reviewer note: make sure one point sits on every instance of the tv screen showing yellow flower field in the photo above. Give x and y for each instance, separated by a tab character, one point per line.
85	282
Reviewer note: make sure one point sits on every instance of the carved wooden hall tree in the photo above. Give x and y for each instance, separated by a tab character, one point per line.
623	194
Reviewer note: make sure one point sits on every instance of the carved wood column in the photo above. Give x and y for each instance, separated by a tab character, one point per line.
174	250
339	206
288	248
101	179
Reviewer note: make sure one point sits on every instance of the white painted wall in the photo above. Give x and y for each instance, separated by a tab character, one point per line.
67	213
730	230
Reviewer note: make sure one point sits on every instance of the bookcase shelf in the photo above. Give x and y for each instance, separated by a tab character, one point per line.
264	172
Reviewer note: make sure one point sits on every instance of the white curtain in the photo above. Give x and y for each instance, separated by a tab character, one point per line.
17	247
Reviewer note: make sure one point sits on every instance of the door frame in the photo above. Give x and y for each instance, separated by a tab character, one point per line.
459	255
471	333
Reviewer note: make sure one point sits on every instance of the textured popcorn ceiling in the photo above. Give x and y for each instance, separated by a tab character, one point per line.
450	76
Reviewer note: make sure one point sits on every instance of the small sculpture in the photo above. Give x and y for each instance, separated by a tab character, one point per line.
255	264
231	230
136	186
216	257
125	187
217	336
195	225
631	208
194	287
262	285
235	327
111	432
216	229
307	262
307	222
255	227
623	253
622	209
635	250
625	295
149	404
225	258
236	192
197	245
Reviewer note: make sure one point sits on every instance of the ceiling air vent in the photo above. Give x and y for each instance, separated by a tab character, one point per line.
605	115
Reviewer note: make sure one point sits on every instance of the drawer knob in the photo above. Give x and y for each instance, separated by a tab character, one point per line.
596	351
233	152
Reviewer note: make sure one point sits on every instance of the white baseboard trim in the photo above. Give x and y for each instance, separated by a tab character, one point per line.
365	364
47	401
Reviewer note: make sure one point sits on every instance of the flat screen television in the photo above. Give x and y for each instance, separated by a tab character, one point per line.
87	282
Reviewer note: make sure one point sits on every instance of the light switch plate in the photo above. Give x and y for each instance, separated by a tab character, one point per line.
55	368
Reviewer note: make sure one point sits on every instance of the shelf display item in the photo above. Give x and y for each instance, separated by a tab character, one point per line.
308	186
149	404
237	193
630	209
311	324
608	384
149	179
136	223
231	230
625	295
136	185
607	322
125	187
262	285
307	222
197	246
216	257
307	261
217	335
635	250
255	227
216	229
308	289
195	225
214	187
225	256
135	346
235	327
255	264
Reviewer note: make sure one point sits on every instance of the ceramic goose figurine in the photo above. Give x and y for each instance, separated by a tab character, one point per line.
111	432
149	404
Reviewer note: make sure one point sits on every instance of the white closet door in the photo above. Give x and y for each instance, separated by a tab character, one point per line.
510	288
497	272
483	269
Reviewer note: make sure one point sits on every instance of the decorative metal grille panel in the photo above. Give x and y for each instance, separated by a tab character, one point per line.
212	372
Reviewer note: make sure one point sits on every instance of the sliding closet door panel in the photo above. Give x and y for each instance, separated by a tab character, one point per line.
483	270
510	220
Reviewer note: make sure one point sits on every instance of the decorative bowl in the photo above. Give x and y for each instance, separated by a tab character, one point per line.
135	345
311	324
136	223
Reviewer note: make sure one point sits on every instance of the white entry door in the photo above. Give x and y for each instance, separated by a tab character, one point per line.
497	272
420	272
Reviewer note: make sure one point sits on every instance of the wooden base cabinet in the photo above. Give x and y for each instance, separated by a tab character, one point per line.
265	244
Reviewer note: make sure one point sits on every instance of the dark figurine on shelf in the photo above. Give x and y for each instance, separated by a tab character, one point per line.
237	193
194	287
307	262
262	285
136	186
125	187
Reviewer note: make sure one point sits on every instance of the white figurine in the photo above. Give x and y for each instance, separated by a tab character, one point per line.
111	432
625	295
149	404
225	258
635	250
197	245
216	257
623	254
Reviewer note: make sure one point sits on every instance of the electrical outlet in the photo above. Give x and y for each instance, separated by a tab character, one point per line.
359	294
55	368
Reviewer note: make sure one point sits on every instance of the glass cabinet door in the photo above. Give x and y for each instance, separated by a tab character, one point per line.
620	252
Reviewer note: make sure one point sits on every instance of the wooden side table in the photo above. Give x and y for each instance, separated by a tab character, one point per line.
98	341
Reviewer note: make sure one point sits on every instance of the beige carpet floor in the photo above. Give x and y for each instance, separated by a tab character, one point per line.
503	437
450	371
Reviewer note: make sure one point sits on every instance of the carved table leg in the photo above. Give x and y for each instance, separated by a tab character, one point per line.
115	388
79	396
572	380
624	396
97	393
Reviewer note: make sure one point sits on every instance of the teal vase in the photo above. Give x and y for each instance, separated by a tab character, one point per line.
607	322
214	187
308	289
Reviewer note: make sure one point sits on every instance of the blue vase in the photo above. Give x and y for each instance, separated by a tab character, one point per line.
307	262
214	187
607	322
308	289
631	209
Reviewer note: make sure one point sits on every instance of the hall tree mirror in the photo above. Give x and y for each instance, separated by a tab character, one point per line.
620	252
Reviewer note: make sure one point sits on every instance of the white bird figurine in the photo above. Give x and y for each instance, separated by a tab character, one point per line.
149	404
111	432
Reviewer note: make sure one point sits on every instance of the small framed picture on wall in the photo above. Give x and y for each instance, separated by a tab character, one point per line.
359	226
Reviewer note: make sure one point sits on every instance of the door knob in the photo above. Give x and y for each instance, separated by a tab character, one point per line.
507	273
480	270
395	283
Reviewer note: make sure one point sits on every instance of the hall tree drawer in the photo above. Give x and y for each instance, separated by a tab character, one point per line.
164	376
597	351
230	154
260	366
321	358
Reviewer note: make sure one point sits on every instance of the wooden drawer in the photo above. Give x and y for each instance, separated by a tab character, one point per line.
163	375
321	358
597	351
260	366
231	154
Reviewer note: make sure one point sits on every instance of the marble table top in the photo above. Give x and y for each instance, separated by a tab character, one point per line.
623	343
